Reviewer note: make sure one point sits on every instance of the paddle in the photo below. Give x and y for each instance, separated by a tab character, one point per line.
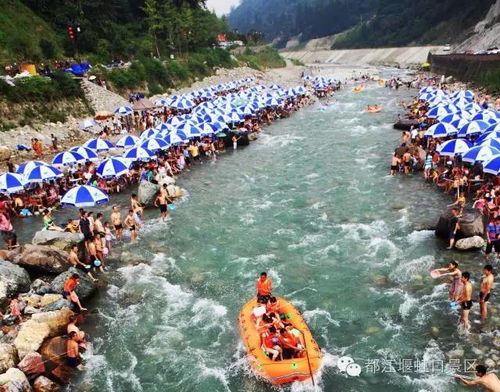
308	360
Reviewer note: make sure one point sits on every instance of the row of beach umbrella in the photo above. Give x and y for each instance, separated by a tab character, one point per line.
474	131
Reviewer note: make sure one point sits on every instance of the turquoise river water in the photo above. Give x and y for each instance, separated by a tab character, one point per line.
310	202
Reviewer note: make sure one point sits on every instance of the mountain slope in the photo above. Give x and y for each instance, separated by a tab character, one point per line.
361	23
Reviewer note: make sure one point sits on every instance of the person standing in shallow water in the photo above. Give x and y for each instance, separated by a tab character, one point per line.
453	227
456	287
485	291
466	300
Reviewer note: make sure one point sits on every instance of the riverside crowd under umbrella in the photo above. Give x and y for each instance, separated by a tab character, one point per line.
87	153
113	168
68	158
84	196
26	167
12	183
98	144
42	173
454	147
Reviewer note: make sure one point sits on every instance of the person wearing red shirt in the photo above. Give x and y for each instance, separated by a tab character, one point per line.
271	346
69	290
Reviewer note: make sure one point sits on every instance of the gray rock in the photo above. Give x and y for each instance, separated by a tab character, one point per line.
59	304
8	357
31	310
44	384
13	279
472	223
60	240
84	290
469	243
14	380
147	192
41	258
41	287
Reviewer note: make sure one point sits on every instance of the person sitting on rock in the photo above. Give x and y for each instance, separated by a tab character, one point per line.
48	221
69	290
72	327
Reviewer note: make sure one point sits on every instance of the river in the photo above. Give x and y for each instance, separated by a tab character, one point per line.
312	203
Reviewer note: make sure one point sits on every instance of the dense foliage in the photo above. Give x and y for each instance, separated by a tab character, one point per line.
363	23
105	30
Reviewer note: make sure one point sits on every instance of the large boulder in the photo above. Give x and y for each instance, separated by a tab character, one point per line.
469	243
44	384
32	363
42	258
41	326
54	350
59	240
8	357
84	290
47	299
14	380
5	153
13	279
472	223
59	304
147	192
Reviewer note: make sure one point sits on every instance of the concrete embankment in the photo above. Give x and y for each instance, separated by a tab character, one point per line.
403	57
464	67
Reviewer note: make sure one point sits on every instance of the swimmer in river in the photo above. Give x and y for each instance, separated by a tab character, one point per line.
489	381
485	291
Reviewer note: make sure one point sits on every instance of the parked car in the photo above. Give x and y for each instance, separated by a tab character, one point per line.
447	48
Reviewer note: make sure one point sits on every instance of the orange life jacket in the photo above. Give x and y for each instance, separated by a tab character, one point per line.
264	287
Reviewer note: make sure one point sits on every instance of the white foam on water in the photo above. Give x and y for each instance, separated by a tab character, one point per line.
418	236
247	219
333	248
359	231
284	232
309	315
311	176
307	240
408	271
278	141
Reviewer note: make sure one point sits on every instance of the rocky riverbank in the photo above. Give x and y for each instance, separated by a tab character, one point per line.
32	351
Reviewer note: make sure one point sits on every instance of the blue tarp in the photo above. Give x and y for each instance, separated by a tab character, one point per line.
78	69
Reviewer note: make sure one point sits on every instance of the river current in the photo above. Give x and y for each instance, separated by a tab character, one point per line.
312	203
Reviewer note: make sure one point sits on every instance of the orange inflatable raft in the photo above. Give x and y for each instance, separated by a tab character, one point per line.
287	370
358	89
374	109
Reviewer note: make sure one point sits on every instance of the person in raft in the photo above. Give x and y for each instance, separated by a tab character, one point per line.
489	381
264	288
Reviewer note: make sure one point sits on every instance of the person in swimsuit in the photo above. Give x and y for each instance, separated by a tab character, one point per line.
456	286
489	382
466	300
485	291
74	260
161	202
73	358
395	163
130	223
453	226
137	208
116	221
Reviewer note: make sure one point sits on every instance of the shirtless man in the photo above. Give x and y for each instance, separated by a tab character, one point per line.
395	162
131	224
489	382
485	291
161	202
407	162
466	300
137	208
72	351
75	262
81	335
116	221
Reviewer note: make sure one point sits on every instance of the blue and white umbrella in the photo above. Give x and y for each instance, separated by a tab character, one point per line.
494	143
164	127
493	128
162	102
26	167
450	118
487	116
149	133
84	196
87	153
127	141
175	138
98	144
154	144
189	129
488	135
68	158
441	130
472	128
460	123
42	174
454	147
12	183
124	110
113	167
274	87
480	154
139	154
182	104
437	111
492	166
